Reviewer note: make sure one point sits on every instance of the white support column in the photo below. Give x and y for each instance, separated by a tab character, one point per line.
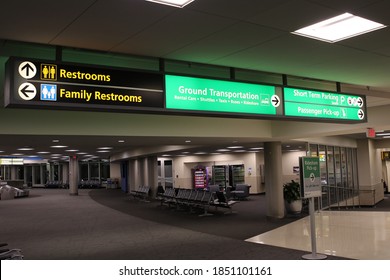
73	176
274	179
370	172
152	174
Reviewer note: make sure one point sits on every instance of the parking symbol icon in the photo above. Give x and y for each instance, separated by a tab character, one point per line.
48	92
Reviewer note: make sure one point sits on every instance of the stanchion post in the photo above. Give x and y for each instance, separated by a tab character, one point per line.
313	255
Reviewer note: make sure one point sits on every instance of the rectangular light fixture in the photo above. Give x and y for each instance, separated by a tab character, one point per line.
174	3
339	28
383	134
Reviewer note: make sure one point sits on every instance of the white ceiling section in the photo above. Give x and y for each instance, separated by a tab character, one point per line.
248	34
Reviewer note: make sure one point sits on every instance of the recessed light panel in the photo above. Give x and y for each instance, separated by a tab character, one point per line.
174	3
339	28
25	149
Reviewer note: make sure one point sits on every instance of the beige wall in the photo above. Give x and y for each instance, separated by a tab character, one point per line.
253	162
290	160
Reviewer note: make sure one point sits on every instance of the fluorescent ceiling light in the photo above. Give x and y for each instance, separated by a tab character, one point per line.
223	150
383	134
339	28
174	3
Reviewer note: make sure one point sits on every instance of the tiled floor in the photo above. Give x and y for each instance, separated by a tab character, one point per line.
355	235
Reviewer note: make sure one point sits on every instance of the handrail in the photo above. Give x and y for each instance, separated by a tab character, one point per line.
337	196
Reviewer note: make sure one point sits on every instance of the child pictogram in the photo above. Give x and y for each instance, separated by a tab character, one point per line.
48	92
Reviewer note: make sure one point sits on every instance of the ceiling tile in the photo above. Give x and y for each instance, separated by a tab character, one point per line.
105	25
38	21
174	32
235	38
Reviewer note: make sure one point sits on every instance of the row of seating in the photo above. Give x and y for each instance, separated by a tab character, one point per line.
56	184
141	193
195	199
89	184
10	254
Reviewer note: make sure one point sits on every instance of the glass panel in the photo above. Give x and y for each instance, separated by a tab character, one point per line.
168	173
83	170
322	201
116	60
349	168
7	172
197	69
105	170
331	176
258	77
94	170
20	172
337	160
44	178
28	175
159	168
355	170
313	150
323	169
343	158
309	83
56	173
37	174
330	161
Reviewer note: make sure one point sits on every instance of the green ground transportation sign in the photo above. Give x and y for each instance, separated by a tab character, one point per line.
199	94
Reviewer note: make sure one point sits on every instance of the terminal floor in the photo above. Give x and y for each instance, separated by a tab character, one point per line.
106	224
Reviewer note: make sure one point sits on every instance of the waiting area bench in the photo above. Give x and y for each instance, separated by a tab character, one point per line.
194	199
142	193
222	201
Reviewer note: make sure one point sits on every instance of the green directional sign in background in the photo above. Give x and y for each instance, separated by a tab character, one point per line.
326	105
310	176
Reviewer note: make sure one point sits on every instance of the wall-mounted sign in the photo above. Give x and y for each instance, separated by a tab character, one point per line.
305	103
51	84
198	94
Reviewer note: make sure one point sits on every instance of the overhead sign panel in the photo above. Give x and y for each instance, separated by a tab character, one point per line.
198	94
48	84
305	103
51	84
